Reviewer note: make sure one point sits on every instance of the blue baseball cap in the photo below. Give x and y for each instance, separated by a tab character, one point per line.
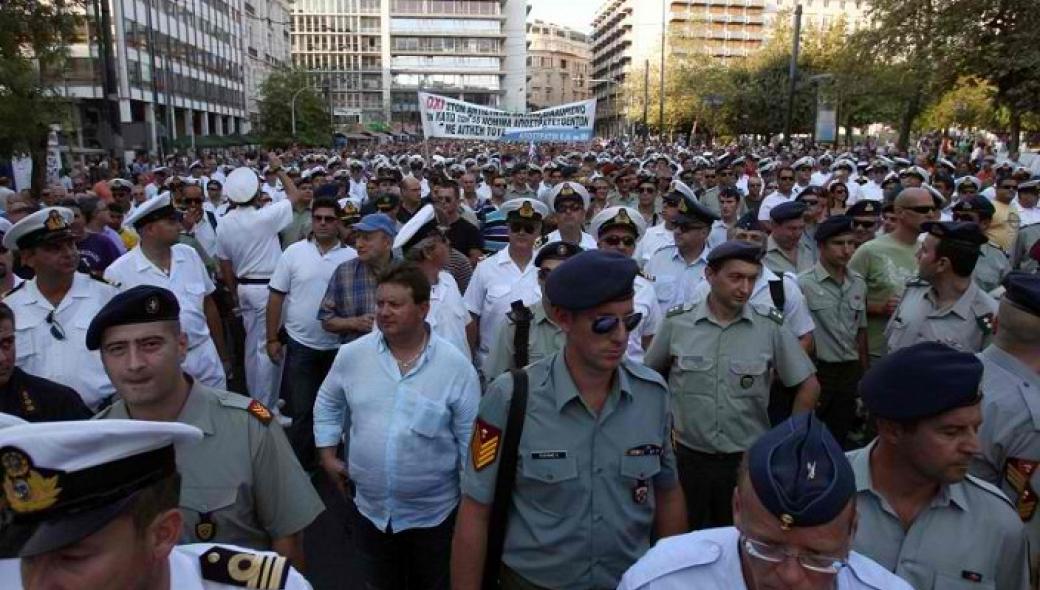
377	222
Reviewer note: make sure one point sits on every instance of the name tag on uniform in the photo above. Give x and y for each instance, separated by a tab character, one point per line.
549	454
644	451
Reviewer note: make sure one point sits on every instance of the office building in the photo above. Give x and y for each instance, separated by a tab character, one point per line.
558	65
373	56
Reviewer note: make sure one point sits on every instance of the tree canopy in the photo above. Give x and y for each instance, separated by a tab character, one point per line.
313	122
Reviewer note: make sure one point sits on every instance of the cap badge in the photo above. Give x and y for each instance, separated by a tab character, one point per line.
25	489
622	217
566	191
682	206
561	250
55	221
350	209
811	468
152	305
786	520
526	210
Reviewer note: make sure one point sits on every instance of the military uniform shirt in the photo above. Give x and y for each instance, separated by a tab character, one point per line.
583	507
991	267
966	325
35	399
654	239
777	261
1024	240
1010	436
241	483
65	360
710	560
719	376
674	278
839	312
796	313
544	338
968	538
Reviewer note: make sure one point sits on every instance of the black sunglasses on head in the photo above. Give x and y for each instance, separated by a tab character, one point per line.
605	324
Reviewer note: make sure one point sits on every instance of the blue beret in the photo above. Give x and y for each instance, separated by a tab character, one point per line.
864	208
691	211
958	231
925	379
140	305
1023	289
833	226
591	278
735	249
787	211
559	250
976	204
327	190
799	472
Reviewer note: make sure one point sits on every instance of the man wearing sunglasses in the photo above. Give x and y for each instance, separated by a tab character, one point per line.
661	235
794	525
1005	218
920	515
596	470
159	260
785	192
54	308
678	269
544	337
888	261
786	252
993	262
719	356
569	201
509	275
865	216
944	304
618	229
803	171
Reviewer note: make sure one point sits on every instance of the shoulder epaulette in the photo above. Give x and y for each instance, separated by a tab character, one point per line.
917	282
104	280
670	556
19	286
986	323
254	407
770	312
244	568
678	309
988	487
646	275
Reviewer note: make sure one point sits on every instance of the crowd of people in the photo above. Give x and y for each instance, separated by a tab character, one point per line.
564	366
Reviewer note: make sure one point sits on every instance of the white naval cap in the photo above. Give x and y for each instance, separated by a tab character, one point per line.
315	171
120	183
916	171
618	217
63	481
241	185
8	420
803	161
568	189
416	229
524	208
46	225
158	207
682	187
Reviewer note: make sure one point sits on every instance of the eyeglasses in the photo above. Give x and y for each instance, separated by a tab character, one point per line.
523	227
821	564
498	184
1009	187
618	240
810	202
803	169
863	224
56	330
647	190
671	202
922	209
192	201
324	218
605	324
686	227
785	177
569	207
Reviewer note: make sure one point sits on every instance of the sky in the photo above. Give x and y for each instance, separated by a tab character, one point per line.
576	14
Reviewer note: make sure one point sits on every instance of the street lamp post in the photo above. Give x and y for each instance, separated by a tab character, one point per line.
292	109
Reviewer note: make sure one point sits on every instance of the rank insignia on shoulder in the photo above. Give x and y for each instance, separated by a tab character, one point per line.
986	323
776	315
1019	473
483	446
260	411
646	275
244	568
678	309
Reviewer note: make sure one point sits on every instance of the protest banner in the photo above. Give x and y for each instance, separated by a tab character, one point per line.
444	117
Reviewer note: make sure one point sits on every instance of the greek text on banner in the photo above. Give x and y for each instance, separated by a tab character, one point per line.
455	119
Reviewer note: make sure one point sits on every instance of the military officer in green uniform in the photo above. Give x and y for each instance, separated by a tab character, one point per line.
543	336
242	483
837	299
1010	431
595	471
993	262
719	356
921	515
944	304
786	251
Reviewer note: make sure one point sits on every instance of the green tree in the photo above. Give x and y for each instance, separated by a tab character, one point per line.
313	123
970	104
33	48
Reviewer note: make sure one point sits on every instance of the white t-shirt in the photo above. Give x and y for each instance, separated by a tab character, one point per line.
775	198
303	274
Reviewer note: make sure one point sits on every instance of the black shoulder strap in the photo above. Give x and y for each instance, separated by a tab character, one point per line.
521	317
505	481
776	292
212	219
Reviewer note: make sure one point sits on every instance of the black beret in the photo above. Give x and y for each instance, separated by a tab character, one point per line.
386	201
591	278
735	249
691	211
787	211
864	208
730	192
749	222
800	474
556	251
958	231
1023	289
833	226
922	380
975	204
140	305
811	190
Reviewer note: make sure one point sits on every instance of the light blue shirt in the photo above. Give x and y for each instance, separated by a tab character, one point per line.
409	435
674	278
